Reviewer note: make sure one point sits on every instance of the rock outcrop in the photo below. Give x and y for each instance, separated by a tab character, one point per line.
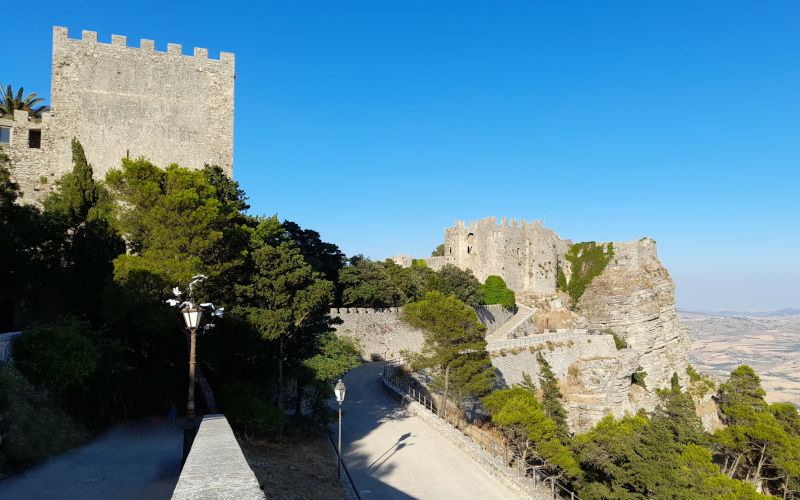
639	306
634	298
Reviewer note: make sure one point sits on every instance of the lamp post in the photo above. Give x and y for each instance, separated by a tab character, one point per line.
339	390
192	315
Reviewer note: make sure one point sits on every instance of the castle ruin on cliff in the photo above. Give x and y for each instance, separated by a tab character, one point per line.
124	102
633	297
525	254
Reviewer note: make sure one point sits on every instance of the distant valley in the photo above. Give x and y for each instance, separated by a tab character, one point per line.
767	342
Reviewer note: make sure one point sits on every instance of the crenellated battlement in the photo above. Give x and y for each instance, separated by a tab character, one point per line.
338	311
125	102
492	221
61	35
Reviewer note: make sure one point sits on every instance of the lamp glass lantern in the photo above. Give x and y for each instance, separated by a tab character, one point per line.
192	316
339	390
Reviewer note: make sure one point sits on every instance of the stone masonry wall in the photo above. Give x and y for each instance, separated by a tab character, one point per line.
378	330
493	316
28	165
523	254
122	101
559	349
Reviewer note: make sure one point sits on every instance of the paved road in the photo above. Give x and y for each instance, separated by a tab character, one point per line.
394	455
132	461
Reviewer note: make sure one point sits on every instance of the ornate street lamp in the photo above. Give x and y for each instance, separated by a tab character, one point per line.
192	317
339	390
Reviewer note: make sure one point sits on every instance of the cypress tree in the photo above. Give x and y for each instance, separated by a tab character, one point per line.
551	398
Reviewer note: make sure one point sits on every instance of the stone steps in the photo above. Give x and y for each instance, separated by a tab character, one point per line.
522	315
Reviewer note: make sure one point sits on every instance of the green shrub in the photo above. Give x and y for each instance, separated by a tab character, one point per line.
588	261
418	263
694	376
62	355
561	278
495	291
700	384
33	427
618	341
638	377
247	411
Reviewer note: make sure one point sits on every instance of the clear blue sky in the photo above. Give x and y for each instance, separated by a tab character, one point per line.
380	123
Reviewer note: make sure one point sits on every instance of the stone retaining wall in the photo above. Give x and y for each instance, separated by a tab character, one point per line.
381	333
561	350
493	316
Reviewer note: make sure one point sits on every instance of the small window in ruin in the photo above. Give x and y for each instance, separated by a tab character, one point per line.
35	139
469	249
5	135
451	250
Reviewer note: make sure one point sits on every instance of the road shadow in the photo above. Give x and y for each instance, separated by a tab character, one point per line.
131	460
366	410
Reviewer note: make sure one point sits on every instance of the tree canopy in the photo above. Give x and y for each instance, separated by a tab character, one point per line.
30	103
453	344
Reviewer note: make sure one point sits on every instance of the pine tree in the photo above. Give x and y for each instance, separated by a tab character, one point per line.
453	341
519	415
551	398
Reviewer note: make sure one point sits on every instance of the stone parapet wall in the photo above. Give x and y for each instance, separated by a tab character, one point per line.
436	263
216	467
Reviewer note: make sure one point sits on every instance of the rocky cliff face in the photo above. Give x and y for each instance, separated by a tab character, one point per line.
639	306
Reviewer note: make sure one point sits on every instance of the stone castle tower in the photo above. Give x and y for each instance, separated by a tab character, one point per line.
525	254
125	102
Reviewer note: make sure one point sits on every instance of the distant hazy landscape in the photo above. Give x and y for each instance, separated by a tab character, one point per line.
767	342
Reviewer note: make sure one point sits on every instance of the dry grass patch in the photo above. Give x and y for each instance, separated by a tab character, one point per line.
294	466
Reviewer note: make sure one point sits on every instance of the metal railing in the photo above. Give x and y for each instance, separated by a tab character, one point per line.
497	449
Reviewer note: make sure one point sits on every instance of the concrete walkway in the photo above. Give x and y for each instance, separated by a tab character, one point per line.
394	455
131	461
